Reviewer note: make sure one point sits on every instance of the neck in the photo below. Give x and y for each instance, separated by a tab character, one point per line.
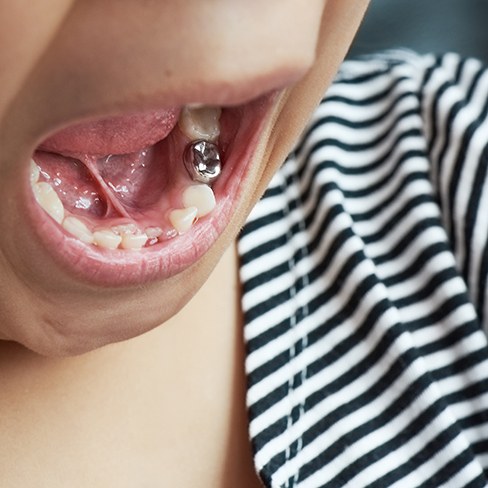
171	398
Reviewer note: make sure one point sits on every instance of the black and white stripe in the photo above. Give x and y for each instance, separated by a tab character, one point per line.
364	285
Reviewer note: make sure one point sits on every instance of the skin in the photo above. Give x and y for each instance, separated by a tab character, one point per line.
61	70
64	68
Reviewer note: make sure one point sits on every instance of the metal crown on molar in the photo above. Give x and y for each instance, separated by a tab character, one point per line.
202	161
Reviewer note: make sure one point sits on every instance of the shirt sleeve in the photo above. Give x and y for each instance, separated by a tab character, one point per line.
454	106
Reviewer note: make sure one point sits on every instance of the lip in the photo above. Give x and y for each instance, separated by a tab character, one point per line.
122	268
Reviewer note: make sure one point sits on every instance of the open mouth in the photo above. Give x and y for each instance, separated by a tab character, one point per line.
130	199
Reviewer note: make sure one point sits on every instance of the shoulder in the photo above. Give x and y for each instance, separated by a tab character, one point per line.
430	82
406	64
360	259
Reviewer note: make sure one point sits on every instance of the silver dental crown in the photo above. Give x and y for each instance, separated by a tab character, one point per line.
202	161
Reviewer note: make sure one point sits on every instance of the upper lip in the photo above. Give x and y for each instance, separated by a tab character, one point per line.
66	110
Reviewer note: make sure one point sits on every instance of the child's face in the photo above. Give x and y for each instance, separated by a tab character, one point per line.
135	64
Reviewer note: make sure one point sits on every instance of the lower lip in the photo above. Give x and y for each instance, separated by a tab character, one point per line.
117	268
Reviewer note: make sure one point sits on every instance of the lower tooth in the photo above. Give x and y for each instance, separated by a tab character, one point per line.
154	232
133	241
202	161
48	200
34	172
106	239
200	196
182	218
78	229
123	229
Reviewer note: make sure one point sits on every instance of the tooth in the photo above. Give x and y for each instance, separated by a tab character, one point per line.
123	229
48	200
195	105
200	196
153	232
34	172
182	218
106	238
133	241
132	237
200	122
78	229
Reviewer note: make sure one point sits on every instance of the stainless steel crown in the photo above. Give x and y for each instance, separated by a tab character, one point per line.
202	161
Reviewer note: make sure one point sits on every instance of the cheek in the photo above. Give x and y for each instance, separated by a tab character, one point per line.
78	75
180	51
25	31
339	22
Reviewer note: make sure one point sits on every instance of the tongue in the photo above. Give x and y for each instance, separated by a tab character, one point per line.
110	167
115	135
110	186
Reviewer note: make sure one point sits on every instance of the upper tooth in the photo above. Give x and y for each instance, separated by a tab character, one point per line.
77	228
195	105
106	238
34	172
200	196
49	201
182	218
200	123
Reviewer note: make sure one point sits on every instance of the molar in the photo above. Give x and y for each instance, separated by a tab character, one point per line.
182	218
48	200
200	196
200	122
202	161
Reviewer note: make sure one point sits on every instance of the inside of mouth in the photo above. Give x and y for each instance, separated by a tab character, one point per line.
112	186
136	196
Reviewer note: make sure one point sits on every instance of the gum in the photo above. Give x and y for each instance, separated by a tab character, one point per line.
111	211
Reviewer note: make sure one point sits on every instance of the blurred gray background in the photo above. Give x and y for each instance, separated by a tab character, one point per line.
425	26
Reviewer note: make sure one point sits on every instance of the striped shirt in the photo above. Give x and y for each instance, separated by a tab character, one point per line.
364	271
